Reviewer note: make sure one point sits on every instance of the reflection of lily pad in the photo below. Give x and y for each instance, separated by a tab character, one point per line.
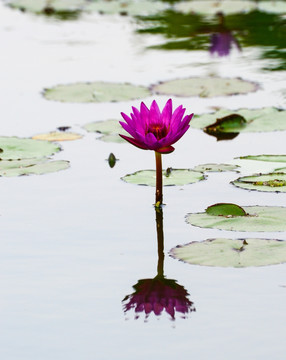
126	7
17	148
273	182
214	6
232	253
260	218
269	158
57	136
265	119
216	167
205	87
96	92
31	166
170	177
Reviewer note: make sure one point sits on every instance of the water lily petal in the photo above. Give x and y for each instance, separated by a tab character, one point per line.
134	142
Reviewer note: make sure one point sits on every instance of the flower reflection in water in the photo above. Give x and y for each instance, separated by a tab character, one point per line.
159	294
222	40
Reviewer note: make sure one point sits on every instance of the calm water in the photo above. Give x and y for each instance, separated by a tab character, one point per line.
73	243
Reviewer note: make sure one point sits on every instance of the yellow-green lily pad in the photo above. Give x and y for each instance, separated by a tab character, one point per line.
171	177
96	92
268	158
273	182
12	148
236	253
259	218
205	87
57	136
216	167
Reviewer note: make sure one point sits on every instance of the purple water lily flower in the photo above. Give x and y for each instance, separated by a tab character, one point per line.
155	130
156	295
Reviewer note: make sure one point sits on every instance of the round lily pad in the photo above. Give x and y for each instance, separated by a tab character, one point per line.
205	87
57	136
232	253
216	167
259	120
273	182
96	92
211	7
127	7
259	218
269	158
171	177
31	166
25	148
109	130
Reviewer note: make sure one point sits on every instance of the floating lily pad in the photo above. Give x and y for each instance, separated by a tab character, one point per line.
127	7
216	167
213	6
259	120
226	128
269	158
170	177
58	136
259	218
31	166
275	7
17	148
232	253
109	130
96	92
205	87
226	209
273	182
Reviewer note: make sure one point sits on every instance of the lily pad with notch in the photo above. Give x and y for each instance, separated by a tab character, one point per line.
96	92
171	177
238	253
227	127
272	182
205	87
257	218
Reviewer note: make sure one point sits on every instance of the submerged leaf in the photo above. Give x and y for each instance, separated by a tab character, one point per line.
232	253
225	209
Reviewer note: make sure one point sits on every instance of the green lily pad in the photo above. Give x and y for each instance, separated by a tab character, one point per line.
230	124
232	253
226	209
259	120
275	7
259	218
127	7
109	130
216	167
171	177
31	166
205	87
213	6
273	182
96	92
269	158
24	148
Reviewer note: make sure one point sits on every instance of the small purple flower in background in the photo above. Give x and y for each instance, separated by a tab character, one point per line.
151	129
222	42
155	130
156	295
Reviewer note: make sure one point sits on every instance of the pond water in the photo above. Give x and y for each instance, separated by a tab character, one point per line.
75	242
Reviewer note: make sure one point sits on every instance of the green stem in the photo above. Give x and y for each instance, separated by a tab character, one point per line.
159	180
160	241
